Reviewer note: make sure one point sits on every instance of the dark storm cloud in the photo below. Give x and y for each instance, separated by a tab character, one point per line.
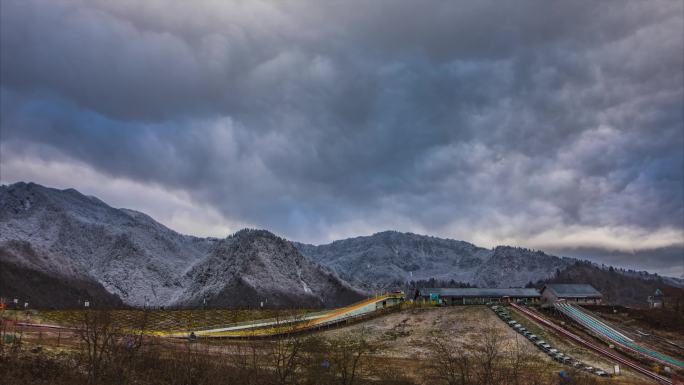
481	120
668	261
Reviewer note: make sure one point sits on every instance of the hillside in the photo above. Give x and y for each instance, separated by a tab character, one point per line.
80	242
46	290
383	259
71	246
127	252
617	286
252	266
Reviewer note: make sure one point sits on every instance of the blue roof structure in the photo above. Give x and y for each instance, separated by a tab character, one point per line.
481	292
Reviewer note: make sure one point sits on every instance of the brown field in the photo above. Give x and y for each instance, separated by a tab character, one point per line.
412	346
408	334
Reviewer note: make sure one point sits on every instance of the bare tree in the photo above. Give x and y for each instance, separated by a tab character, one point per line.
346	356
519	362
487	355
315	368
286	352
285	358
449	363
97	332
126	345
247	359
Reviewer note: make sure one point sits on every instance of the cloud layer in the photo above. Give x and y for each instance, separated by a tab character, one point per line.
544	124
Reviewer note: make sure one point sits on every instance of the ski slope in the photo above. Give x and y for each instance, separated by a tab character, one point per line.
604	330
273	327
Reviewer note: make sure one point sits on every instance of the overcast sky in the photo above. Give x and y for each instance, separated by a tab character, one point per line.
546	124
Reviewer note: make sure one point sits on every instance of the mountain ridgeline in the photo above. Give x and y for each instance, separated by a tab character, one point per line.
382	259
102	253
60	247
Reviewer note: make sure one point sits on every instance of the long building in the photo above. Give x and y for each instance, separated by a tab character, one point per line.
473	296
576	293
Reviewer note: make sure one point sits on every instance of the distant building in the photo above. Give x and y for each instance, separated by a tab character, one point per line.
474	296
571	292
671	298
656	300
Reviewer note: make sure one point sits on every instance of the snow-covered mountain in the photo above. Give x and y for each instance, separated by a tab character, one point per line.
59	246
382	259
252	266
73	237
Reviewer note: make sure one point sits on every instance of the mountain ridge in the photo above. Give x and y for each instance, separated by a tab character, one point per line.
129	254
109	253
409	256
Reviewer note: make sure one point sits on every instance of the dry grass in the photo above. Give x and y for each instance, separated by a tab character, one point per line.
406	334
406	347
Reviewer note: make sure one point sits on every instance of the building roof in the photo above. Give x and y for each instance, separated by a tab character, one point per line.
573	290
478	292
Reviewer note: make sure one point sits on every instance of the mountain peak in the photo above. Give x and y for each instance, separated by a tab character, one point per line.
254	233
384	258
73	237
